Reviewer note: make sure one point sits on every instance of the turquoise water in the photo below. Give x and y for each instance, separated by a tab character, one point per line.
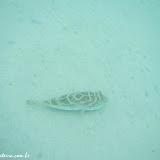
49	48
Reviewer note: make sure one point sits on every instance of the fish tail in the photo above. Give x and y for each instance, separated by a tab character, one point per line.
34	102
37	102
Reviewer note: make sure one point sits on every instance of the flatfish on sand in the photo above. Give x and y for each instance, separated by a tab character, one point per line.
74	101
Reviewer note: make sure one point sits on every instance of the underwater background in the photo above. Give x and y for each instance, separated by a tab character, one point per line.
49	48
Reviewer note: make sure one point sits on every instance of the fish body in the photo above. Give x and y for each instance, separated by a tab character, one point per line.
74	101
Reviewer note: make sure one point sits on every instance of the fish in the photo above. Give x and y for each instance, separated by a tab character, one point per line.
84	101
